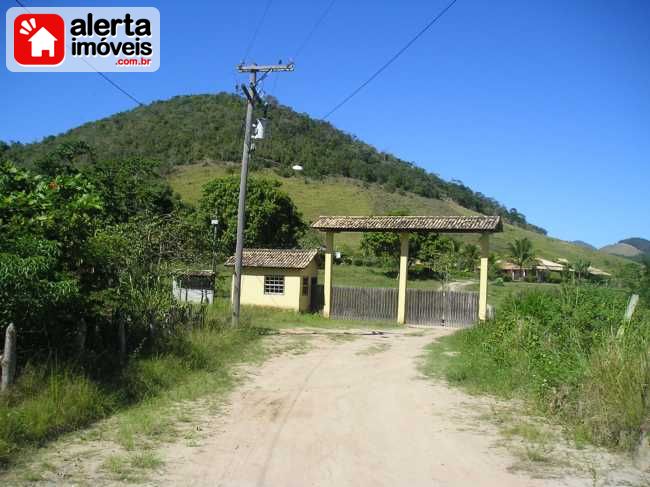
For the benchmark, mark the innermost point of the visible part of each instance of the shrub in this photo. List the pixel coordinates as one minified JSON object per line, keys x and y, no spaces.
{"x":568,"y":353}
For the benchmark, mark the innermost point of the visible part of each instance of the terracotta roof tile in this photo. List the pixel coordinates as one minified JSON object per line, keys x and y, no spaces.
{"x":443,"y":224}
{"x":276,"y":258}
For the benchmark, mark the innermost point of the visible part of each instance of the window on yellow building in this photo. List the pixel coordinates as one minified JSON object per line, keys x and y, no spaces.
{"x":273,"y":284}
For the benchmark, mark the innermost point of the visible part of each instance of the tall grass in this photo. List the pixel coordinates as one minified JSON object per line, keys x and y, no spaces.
{"x":49,"y":400}
{"x":569,"y":354}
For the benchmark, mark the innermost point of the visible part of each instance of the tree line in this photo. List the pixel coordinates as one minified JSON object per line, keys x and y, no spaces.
{"x":89,"y":247}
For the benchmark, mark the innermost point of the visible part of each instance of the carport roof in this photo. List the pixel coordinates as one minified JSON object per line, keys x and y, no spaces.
{"x":435,"y":224}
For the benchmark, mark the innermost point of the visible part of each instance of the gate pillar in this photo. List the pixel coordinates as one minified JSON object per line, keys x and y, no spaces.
{"x":483,"y":279}
{"x":403,"y":276}
{"x":327,"y":285}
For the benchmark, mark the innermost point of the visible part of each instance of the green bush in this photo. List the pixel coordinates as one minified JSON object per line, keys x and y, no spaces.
{"x":569,"y":354}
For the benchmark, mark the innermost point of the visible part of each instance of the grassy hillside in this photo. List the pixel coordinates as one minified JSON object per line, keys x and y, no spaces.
{"x":191,"y":129}
{"x":344,"y":196}
{"x":343,"y":175}
{"x":643,"y":244}
{"x":622,"y":249}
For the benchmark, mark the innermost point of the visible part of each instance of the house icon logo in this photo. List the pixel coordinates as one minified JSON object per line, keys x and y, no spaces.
{"x":39,"y":39}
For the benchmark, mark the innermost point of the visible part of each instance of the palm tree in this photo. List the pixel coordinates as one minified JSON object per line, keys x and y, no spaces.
{"x":521,"y":253}
{"x":581,"y":268}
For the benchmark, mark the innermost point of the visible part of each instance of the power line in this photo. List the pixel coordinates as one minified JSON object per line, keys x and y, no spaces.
{"x":102,"y":75}
{"x":319,"y":21}
{"x":307,"y":38}
{"x":257,"y":29}
{"x":391,"y":60}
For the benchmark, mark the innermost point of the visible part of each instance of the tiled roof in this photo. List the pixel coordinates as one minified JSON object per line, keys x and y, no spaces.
{"x":276,"y":258}
{"x":446,"y":224}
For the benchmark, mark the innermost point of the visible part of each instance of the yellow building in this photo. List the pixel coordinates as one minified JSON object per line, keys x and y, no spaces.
{"x":278,"y":278}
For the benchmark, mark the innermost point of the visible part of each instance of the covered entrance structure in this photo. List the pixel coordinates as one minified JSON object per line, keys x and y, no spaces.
{"x":404,"y":225}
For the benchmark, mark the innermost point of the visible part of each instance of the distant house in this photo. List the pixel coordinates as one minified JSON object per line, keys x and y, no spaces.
{"x":42,"y":41}
{"x":540,"y":268}
{"x":194,"y":287}
{"x":543,"y":268}
{"x":278,"y":278}
{"x":513,"y":271}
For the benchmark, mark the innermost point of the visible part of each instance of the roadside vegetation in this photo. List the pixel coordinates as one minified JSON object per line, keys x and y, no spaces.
{"x":88,"y":250}
{"x":568,"y":353}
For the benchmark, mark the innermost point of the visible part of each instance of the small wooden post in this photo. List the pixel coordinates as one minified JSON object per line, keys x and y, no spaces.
{"x":8,"y":358}
{"x":483,"y":278}
{"x":403,"y":276}
{"x":329,"y":248}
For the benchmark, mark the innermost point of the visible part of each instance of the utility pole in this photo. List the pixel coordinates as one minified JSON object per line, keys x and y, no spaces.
{"x":253,"y":99}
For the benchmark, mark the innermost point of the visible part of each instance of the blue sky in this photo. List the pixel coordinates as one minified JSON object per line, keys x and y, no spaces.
{"x":544,"y":105}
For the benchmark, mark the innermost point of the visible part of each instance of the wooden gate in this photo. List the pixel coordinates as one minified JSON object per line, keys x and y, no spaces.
{"x":426,"y":307}
{"x":364,"y":303}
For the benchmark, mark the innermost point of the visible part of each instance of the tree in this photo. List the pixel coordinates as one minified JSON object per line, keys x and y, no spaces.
{"x":521,"y":253}
{"x":44,"y":225}
{"x":131,"y":187}
{"x":581,"y":268}
{"x":272,"y":219}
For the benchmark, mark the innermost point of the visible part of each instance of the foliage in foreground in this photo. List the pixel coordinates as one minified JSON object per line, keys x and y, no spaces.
{"x":570,"y":354}
{"x":50,"y":400}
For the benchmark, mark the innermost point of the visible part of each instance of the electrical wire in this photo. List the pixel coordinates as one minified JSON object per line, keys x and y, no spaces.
{"x":257,"y":29}
{"x":102,"y":75}
{"x":391,"y":60}
{"x":308,"y":37}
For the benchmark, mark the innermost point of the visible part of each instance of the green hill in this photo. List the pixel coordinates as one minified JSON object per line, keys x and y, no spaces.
{"x":191,"y":135}
{"x":341,"y":196}
{"x":622,"y":249}
{"x":635,"y":248}
{"x":643,"y":244}
{"x":189,"y":129}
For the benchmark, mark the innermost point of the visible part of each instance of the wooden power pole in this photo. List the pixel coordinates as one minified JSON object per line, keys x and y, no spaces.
{"x":253,"y":99}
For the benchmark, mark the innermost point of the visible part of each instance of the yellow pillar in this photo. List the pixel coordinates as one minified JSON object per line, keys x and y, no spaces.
{"x":483,"y":279}
{"x":403,"y":276}
{"x":329,"y":248}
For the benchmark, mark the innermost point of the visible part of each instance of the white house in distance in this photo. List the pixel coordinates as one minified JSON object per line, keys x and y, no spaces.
{"x":42,"y":41}
{"x":278,"y":278}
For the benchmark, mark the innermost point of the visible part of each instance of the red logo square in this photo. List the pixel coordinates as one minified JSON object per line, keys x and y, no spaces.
{"x":39,"y":39}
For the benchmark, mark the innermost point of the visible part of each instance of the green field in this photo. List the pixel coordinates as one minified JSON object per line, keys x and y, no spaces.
{"x":341,"y":196}
{"x":498,"y":293}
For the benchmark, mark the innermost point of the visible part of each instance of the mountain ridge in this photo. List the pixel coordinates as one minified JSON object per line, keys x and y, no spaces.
{"x":634,"y":248}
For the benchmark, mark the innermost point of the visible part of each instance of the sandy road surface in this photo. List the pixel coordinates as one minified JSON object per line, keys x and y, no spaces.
{"x":348,"y":413}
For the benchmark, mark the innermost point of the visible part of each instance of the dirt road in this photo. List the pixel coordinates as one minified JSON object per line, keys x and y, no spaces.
{"x":350,"y":413}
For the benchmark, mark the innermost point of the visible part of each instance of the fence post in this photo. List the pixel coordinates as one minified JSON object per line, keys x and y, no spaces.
{"x":631,"y":306}
{"x":8,"y":359}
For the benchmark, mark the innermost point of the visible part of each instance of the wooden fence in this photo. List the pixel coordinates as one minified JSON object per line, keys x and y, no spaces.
{"x":428,"y":307}
{"x":364,"y":303}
